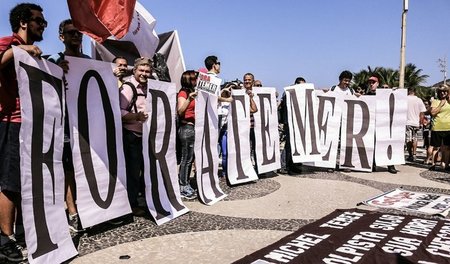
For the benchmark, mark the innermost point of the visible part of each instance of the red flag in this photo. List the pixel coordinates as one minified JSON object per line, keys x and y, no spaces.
{"x":102,"y":18}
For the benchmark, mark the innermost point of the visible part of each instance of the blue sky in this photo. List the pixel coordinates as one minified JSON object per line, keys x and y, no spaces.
{"x":280,"y":40}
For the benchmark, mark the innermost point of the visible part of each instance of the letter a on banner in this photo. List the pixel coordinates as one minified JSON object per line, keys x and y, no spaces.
{"x":96,"y":139}
{"x":303,"y":128}
{"x":239,"y":164}
{"x":41,"y":144}
{"x":205,"y":148}
{"x":162,"y":190}
{"x":266,"y":130}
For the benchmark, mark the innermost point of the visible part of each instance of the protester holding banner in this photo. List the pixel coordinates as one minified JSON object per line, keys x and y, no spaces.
{"x":72,"y":39}
{"x":249,"y":79}
{"x":440,"y":128}
{"x":121,"y":70}
{"x":28,"y":25}
{"x":372,"y":90}
{"x":287,"y":165}
{"x":343,"y":87}
{"x":134,"y":112}
{"x":223,"y":111}
{"x":186,"y":132}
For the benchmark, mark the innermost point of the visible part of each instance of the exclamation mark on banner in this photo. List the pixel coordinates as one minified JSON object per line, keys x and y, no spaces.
{"x":391,"y":119}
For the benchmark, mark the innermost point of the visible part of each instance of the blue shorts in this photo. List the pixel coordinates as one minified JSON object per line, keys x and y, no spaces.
{"x":9,"y":157}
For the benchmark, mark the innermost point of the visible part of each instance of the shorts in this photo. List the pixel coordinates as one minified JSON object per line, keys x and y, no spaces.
{"x":411,"y":133}
{"x":9,"y":157}
{"x":439,"y":138}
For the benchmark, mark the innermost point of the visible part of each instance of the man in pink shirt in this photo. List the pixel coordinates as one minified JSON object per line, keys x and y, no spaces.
{"x":134,"y":113}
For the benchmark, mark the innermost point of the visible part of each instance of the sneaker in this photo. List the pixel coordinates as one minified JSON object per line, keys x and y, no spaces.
{"x":75,"y":224}
{"x":13,"y":251}
{"x":188,"y":196}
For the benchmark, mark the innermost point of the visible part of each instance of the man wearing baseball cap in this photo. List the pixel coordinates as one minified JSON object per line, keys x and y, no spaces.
{"x":372,"y":90}
{"x":373,"y":85}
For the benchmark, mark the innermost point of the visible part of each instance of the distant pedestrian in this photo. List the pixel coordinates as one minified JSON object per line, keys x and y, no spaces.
{"x":415,"y":113}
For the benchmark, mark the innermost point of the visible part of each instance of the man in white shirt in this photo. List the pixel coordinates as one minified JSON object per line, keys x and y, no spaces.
{"x":416,"y":108}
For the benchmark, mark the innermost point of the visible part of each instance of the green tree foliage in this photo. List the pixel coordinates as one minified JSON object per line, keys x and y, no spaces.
{"x":389,"y":76}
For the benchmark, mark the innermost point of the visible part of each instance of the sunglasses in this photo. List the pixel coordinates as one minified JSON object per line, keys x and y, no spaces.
{"x":40,"y":21}
{"x":72,"y":32}
{"x":258,"y":85}
{"x":218,"y":62}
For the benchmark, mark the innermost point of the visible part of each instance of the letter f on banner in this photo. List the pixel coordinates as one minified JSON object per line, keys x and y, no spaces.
{"x":41,"y":142}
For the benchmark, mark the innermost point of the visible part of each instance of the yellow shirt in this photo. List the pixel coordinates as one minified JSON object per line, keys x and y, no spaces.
{"x":441,"y":122}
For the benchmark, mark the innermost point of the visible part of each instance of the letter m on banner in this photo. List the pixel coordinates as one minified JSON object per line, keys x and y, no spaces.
{"x":303,"y":126}
{"x":41,"y":144}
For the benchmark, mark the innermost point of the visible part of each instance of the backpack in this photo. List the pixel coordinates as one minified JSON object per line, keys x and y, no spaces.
{"x":132,"y":104}
{"x":334,"y":87}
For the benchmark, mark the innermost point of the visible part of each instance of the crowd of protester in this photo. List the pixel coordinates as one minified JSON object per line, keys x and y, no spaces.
{"x":28,"y":24}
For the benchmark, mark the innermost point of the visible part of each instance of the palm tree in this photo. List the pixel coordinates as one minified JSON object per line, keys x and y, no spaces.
{"x":413,"y":76}
{"x":388,"y":76}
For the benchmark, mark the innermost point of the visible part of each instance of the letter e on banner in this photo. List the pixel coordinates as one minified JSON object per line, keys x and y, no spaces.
{"x":266,"y":130}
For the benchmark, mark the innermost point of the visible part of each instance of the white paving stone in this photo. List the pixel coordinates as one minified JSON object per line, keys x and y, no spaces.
{"x":220,"y":246}
{"x":297,"y":198}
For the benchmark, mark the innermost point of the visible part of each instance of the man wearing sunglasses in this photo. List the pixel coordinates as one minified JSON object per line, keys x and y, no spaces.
{"x":72,"y":39}
{"x":27,"y":24}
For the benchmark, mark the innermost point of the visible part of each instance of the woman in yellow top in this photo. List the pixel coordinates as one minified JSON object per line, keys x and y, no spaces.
{"x":440,"y":126}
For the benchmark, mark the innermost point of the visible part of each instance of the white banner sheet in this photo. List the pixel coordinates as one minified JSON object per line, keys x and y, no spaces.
{"x":41,"y":145}
{"x":303,"y":128}
{"x":205,"y":148}
{"x":239,"y":164}
{"x":96,"y":139}
{"x":357,"y":133}
{"x":266,"y":130}
{"x":162,"y":190}
{"x":390,"y":126}
{"x":418,"y":202}
{"x":329,"y":121}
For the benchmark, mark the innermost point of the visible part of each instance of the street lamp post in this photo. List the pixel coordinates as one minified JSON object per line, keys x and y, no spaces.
{"x":403,"y":46}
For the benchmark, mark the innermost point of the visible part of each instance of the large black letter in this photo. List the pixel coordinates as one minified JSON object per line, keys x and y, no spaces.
{"x":161,"y":155}
{"x":206,"y":144}
{"x":324,"y":125}
{"x":85,"y":149}
{"x":237,"y":141}
{"x":295,"y":108}
{"x":44,"y":244}
{"x":358,"y":137}
{"x":265,"y":129}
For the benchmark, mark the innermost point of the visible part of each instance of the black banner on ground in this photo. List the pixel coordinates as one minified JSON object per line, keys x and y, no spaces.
{"x":359,"y":236}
